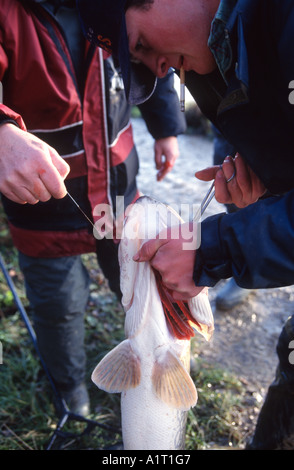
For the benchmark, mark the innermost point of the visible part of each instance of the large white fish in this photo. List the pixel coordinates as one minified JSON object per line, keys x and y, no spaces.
{"x":150,"y":368}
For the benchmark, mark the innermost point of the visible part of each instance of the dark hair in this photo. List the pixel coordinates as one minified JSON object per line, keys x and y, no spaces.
{"x":138,"y":4}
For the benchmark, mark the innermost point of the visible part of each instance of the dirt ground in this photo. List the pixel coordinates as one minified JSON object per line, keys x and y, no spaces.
{"x":245,"y":337}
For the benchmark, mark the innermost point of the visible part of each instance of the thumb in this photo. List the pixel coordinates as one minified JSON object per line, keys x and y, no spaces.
{"x":148,"y":250}
{"x":207,"y":174}
{"x":158,"y":155}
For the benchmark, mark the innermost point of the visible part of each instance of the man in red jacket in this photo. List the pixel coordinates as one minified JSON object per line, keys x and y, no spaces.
{"x":65,"y":126}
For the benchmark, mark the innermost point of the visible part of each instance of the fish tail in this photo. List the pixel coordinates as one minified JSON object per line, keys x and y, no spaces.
{"x":119,"y":370}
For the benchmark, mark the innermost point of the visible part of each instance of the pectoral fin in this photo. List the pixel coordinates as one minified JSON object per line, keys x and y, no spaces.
{"x":172,"y":383}
{"x":200,"y":310}
{"x":119,"y":370}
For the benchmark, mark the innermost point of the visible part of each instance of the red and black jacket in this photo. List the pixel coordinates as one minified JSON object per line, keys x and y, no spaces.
{"x":88,"y":125}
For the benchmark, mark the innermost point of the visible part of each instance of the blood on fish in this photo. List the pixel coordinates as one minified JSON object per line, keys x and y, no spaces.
{"x":177,"y":313}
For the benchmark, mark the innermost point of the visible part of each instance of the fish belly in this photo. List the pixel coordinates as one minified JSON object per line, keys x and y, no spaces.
{"x":150,"y":424}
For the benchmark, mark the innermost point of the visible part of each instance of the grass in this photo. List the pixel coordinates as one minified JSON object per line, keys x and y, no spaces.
{"x":27,"y":414}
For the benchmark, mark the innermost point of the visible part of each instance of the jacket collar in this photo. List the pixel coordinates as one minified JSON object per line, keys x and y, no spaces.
{"x":227,"y":39}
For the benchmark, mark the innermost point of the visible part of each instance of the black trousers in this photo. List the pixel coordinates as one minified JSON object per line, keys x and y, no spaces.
{"x":58,"y":293}
{"x":275,"y":424}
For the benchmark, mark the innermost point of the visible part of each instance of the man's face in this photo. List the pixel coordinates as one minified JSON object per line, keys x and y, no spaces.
{"x":172,"y":32}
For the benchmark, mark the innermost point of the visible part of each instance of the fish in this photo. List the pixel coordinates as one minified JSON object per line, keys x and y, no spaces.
{"x":150,"y":367}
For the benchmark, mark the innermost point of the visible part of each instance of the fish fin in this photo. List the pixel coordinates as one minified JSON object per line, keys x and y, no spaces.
{"x":119,"y":370}
{"x":172,"y":383}
{"x":201,"y":312}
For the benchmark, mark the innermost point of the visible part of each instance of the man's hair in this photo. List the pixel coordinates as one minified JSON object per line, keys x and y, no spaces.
{"x":145,"y":4}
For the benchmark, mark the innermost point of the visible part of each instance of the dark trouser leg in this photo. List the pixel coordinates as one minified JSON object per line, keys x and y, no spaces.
{"x":107,"y":255}
{"x":275,"y":425}
{"x":57,"y":290}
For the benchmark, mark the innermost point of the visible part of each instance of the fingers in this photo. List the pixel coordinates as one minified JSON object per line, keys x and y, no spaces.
{"x":246,"y":188}
{"x":39,"y":185}
{"x":165,"y":168}
{"x":166,"y":154}
{"x":19,"y":188}
{"x":149,"y":249}
{"x":173,"y":262}
{"x":222,"y":174}
{"x":235,"y":182}
{"x":30,"y":170}
{"x":21,"y":197}
{"x":222,"y":193}
{"x":53,"y":176}
{"x":59,"y":163}
{"x":227,"y":187}
{"x":228,"y":169}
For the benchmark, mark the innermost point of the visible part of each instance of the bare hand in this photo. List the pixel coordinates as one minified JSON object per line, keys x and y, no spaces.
{"x":30,"y":170}
{"x":173,"y":257}
{"x":244,"y":189}
{"x":166,"y":154}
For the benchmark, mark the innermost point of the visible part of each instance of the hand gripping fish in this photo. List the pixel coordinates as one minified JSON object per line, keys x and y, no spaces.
{"x":150,"y":367}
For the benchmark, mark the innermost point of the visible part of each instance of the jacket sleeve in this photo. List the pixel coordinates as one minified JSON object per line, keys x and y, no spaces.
{"x":253,"y":245}
{"x":162,"y":112}
{"x":7,"y":114}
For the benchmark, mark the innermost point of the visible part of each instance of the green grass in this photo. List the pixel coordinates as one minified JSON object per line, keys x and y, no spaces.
{"x":27,"y":414}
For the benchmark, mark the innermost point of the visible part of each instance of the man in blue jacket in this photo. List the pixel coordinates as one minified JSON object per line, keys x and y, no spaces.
{"x":240,"y":70}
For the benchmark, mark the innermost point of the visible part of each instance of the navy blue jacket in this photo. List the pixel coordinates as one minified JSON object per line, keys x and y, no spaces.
{"x":255,"y":112}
